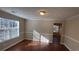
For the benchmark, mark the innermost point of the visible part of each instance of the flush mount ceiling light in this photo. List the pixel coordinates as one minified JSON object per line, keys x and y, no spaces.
{"x":43,"y":12}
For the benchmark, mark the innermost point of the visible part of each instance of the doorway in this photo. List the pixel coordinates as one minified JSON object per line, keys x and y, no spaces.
{"x":57,"y":33}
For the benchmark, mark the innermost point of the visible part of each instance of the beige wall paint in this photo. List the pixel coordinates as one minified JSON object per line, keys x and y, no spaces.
{"x":44,"y":27}
{"x":6,"y":44}
{"x":72,"y":33}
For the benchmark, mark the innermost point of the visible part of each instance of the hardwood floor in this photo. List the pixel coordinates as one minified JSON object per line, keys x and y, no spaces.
{"x":28,"y":45}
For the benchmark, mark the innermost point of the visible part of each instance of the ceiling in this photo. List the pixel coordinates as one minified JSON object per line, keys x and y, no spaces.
{"x":32,"y":13}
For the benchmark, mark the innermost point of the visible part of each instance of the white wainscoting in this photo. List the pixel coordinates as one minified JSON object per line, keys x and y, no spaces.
{"x":29,"y":36}
{"x":71,"y":43}
{"x":11,"y":45}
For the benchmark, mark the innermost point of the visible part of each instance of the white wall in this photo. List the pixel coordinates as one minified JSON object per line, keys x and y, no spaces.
{"x":44,"y":27}
{"x":11,"y":42}
{"x":72,"y":33}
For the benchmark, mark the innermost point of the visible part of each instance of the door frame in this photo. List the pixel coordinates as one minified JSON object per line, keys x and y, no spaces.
{"x":59,"y":31}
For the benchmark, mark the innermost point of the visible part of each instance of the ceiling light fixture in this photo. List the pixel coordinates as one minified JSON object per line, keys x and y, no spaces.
{"x":42,"y":12}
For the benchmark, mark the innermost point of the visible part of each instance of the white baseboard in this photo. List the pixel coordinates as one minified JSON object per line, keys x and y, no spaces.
{"x":35,"y":40}
{"x":68,"y":47}
{"x":11,"y":45}
{"x":31,"y":39}
{"x":28,"y":39}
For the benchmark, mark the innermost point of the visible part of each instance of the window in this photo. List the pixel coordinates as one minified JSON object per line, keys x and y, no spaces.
{"x":55,"y":28}
{"x":8,"y":29}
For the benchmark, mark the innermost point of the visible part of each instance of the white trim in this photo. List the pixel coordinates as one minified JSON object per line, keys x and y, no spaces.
{"x":67,"y":47}
{"x":46,"y":34}
{"x":11,"y":45}
{"x":72,"y":39}
{"x":28,"y":38}
{"x":29,"y":32}
{"x":72,"y":17}
{"x":40,"y":33}
{"x":31,"y":39}
{"x":50,"y":42}
{"x":35,"y":40}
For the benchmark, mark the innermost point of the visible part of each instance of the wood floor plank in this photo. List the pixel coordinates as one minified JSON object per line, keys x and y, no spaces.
{"x":28,"y":45}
